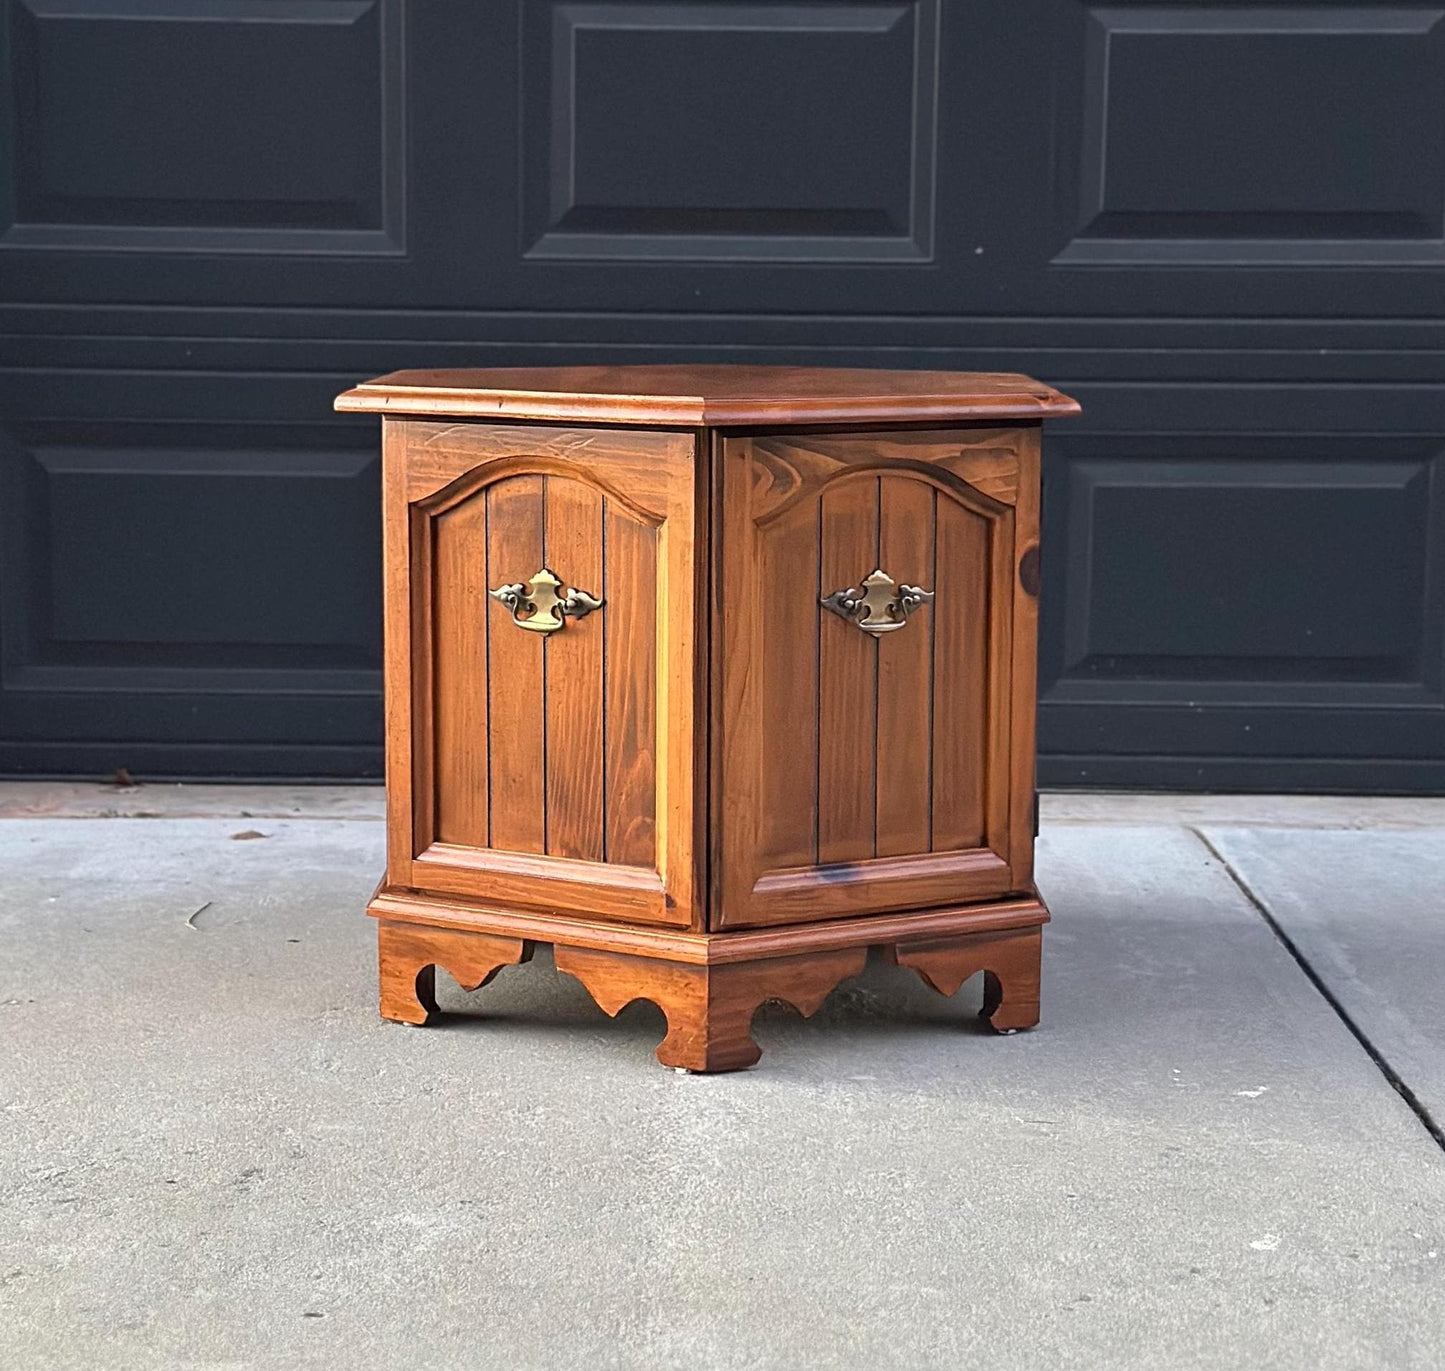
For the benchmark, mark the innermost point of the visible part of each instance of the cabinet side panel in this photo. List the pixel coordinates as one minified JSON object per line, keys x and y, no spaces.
{"x":960,"y":678}
{"x":516,"y":679}
{"x":459,"y":673}
{"x":847,"y":678}
{"x":905,"y":673}
{"x":396,"y":571}
{"x":574,"y":674}
{"x":630,"y":687}
{"x":1024,"y":681}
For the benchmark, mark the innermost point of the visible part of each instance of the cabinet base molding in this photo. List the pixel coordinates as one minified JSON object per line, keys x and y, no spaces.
{"x":709,"y":1009}
{"x":709,"y":985}
{"x":409,"y":954}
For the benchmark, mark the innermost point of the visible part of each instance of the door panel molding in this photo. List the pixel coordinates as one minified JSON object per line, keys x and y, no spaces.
{"x":578,"y":763}
{"x":824,"y":794}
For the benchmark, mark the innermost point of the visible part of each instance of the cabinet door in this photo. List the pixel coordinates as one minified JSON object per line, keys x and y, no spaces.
{"x":543,"y":761}
{"x":879,"y":759}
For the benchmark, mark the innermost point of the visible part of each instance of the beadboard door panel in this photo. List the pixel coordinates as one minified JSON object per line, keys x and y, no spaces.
{"x":872,"y":770}
{"x":545,"y":767}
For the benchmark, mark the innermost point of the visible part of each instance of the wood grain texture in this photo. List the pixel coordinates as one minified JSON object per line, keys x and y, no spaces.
{"x":709,"y":1009}
{"x":737,"y":755}
{"x":1010,"y":962}
{"x":408,"y":955}
{"x":595,"y":756}
{"x":697,"y":396}
{"x":517,"y":680}
{"x":999,"y":723}
{"x":989,"y":462}
{"x":962,"y":611}
{"x":538,"y":879}
{"x":403,"y":741}
{"x":788,"y":634}
{"x":787,"y":895}
{"x":445,"y":462}
{"x":684,"y":945}
{"x":576,"y":687}
{"x":903,"y":744}
{"x":629,"y":624}
{"x":682,"y":684}
{"x":1023,"y":677}
{"x":910,"y":762}
{"x":459,"y":621}
{"x":847,"y":679}
{"x":709,"y":1003}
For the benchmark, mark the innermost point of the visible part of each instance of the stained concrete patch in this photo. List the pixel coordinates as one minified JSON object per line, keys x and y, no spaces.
{"x":213,"y":1154}
{"x":1367,"y":912}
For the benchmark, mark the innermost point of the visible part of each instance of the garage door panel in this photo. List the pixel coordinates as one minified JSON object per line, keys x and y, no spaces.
{"x":189,"y":582}
{"x":1211,"y":597}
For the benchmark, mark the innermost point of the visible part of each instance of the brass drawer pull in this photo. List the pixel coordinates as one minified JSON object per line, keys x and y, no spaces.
{"x":880,"y":606}
{"x":536,"y":606}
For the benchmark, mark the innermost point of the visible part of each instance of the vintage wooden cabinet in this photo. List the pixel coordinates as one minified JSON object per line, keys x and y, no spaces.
{"x":712,"y":678}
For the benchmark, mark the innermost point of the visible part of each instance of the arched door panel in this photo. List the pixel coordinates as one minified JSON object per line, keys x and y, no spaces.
{"x":552,"y":748}
{"x":865,"y":754}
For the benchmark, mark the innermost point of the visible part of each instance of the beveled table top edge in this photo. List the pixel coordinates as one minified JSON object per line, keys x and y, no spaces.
{"x":736,"y":397}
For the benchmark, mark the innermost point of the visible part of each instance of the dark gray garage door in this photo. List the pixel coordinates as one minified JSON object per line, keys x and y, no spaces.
{"x":1219,"y":225}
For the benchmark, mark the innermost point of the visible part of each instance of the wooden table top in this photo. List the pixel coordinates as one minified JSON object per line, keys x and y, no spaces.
{"x":701,"y":396}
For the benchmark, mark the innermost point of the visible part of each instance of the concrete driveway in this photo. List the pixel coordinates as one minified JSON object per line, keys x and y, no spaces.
{"x":1222,"y":1148}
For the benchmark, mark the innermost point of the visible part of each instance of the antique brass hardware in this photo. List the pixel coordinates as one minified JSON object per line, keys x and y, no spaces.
{"x":536,"y":606}
{"x":881,"y":605}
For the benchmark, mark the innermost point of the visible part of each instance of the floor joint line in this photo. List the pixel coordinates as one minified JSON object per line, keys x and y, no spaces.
{"x":1396,"y":1081}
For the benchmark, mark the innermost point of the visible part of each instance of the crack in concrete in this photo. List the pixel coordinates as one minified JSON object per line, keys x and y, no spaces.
{"x":1396,"y":1081}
